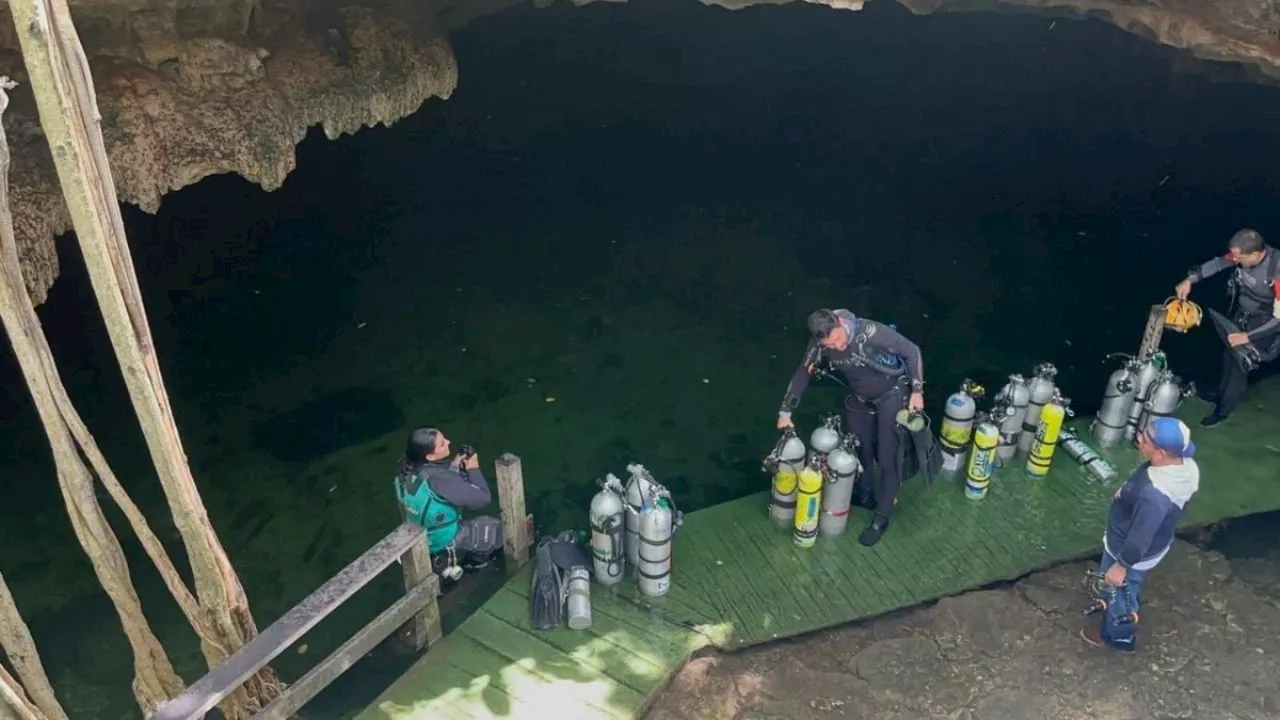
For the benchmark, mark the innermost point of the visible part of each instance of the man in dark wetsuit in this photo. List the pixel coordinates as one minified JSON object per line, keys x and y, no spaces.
{"x":883,"y":371}
{"x":432,"y":488}
{"x":1255,"y":308}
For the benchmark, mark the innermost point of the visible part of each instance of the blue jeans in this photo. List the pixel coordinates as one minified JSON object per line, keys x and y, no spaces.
{"x":1117,"y":632}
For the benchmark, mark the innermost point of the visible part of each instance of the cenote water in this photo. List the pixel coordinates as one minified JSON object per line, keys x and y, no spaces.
{"x":602,"y":249}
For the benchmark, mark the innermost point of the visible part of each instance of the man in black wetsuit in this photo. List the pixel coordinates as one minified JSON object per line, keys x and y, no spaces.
{"x":1255,"y":308}
{"x":431,"y":489}
{"x":883,"y":371}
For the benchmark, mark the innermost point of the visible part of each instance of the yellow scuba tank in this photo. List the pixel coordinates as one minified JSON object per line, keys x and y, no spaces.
{"x":1051,"y":417}
{"x":784,"y":462}
{"x":808,"y":503}
{"x":982,"y":459}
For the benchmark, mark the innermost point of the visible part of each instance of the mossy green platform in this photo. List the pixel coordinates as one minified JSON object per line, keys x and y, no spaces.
{"x":740,"y":582}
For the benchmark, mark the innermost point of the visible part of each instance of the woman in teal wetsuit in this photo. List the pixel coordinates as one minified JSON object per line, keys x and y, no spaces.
{"x":432,"y":489}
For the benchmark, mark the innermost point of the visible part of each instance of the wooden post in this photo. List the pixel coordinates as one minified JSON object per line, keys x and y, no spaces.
{"x":423,"y":629}
{"x":515,"y":523}
{"x":1154,"y":331}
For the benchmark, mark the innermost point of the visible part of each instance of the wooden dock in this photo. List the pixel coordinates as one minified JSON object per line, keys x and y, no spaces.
{"x":741,"y":582}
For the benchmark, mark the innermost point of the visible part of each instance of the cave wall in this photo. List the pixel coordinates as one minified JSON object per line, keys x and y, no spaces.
{"x":192,"y":88}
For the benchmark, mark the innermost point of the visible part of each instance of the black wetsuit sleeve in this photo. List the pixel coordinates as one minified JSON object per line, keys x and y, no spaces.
{"x":886,"y":338}
{"x":1209,"y":268}
{"x":470,"y":490}
{"x":800,"y":379}
{"x":1273,"y":323}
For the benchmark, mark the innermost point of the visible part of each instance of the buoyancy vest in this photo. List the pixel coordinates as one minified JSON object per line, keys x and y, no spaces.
{"x":863,"y":351}
{"x":422,"y":506}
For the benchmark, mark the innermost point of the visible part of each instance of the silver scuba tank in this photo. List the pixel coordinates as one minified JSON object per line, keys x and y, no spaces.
{"x":1017,"y":396}
{"x":640,"y":487}
{"x":826,"y":436}
{"x":1108,"y":426}
{"x":578,"y":599}
{"x":1167,"y":393}
{"x":656,"y":523}
{"x":957,"y":423}
{"x":1148,"y":373}
{"x":1041,"y":388}
{"x":784,"y":464}
{"x":608,"y":532}
{"x":842,"y":473}
{"x":1085,"y":457}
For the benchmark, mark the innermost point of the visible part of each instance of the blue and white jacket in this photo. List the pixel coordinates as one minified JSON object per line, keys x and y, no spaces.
{"x":1146,"y":512}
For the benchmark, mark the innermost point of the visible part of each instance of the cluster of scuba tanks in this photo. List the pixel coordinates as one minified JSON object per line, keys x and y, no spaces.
{"x":633,"y":526}
{"x":813,"y":487}
{"x":812,"y":490}
{"x":1027,"y":416}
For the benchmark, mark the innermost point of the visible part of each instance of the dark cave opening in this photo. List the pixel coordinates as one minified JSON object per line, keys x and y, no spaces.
{"x":601,"y":248}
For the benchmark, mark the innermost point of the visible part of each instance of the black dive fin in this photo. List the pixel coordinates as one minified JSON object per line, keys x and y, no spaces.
{"x":546,"y":599}
{"x":918,"y":449}
{"x":1247,"y":356}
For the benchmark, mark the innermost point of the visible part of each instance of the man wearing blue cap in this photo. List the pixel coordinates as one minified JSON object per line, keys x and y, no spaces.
{"x":1141,"y":524}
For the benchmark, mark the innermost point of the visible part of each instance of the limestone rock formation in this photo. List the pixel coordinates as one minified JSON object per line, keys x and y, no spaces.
{"x":193,"y":88}
{"x":1246,"y":31}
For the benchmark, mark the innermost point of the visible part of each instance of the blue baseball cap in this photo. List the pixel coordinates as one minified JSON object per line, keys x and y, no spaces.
{"x":1171,"y":435}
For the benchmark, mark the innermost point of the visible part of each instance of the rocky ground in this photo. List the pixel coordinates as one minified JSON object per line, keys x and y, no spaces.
{"x":1209,"y":648}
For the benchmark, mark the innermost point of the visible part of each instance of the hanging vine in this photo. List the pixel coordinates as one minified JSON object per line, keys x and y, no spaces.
{"x":64,"y":93}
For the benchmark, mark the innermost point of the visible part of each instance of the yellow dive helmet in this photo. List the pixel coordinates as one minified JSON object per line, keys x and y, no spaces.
{"x":1181,"y":315}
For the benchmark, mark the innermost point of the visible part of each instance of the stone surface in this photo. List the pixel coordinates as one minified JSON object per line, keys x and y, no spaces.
{"x":193,"y":88}
{"x":1208,"y":648}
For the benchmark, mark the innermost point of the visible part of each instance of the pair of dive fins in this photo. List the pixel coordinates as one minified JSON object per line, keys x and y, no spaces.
{"x":918,"y":450}
{"x":553,"y":559}
{"x":1247,"y":356}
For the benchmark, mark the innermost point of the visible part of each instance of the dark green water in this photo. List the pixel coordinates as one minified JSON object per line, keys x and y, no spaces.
{"x":601,"y":250}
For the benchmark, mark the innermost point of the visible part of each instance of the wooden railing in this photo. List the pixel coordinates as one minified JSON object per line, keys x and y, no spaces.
{"x":416,"y":611}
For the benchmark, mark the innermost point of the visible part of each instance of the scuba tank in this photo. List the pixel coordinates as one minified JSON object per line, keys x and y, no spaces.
{"x":608,"y":532}
{"x":1148,"y":371}
{"x":808,"y":501}
{"x":1017,"y":397}
{"x":843,"y":469}
{"x":577,"y":601}
{"x":1166,"y":396}
{"x":1108,"y":426}
{"x":1047,"y":432}
{"x":957,"y":423}
{"x":656,"y":522}
{"x":982,"y":460}
{"x":783,"y":463}
{"x":826,"y":436}
{"x":1085,"y":457}
{"x":1042,"y":389}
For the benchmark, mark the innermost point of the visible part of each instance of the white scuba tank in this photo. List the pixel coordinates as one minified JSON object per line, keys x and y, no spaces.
{"x":608,"y":532}
{"x":1041,"y":388}
{"x":656,"y":522}
{"x":1017,"y":397}
{"x":1148,"y":373}
{"x":1108,"y":425}
{"x":1167,"y":393}
{"x":641,"y":487}
{"x":826,"y":436}
{"x":842,"y":473}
